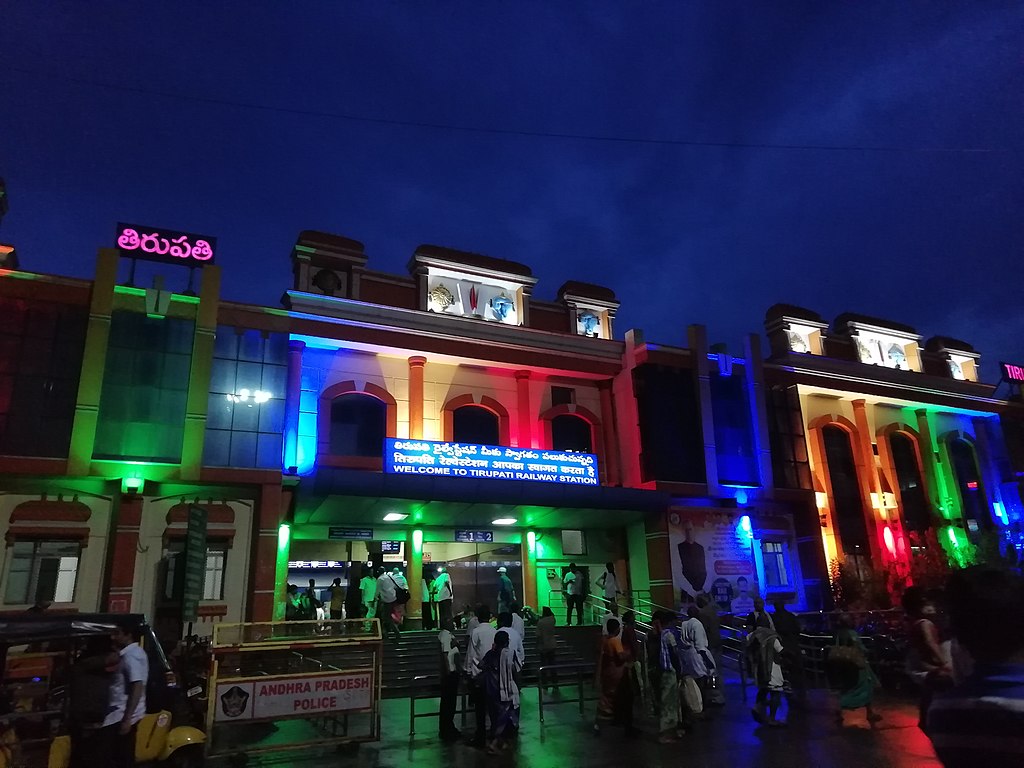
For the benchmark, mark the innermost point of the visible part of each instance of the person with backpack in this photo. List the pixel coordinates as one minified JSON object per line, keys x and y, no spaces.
{"x":401,"y":595}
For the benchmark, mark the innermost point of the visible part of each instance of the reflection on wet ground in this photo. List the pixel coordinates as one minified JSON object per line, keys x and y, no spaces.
{"x":727,"y":737}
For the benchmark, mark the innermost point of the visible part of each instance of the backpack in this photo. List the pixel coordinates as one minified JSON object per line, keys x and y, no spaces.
{"x":401,"y":593}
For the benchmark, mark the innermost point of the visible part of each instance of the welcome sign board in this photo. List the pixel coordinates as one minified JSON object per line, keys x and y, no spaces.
{"x":427,"y":457}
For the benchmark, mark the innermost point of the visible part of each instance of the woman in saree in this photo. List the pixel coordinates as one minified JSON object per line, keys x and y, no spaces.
{"x":861,"y":691}
{"x":612,"y":678}
{"x":500,"y":671}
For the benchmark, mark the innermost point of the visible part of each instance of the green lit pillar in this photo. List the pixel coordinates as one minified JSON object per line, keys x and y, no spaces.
{"x":414,"y":573}
{"x":530,"y":596}
{"x":284,"y":540}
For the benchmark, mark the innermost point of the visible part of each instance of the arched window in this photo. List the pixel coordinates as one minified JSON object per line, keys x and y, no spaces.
{"x":474,"y":424}
{"x":358,"y":425}
{"x":849,"y":508}
{"x":968,"y":481}
{"x":571,"y":433}
{"x":916,"y":516}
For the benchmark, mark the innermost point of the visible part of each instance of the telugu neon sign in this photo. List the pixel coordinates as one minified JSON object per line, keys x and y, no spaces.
{"x":1013,"y":372}
{"x":170,"y":246}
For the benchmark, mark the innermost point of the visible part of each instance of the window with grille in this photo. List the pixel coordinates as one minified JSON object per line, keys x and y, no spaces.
{"x":42,"y":572}
{"x":213,"y":575}
{"x":790,"y":466}
{"x":776,"y":567}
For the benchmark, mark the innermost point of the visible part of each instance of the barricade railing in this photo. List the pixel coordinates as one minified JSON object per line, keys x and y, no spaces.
{"x":320,"y":680}
{"x":423,"y":692}
{"x":582,"y":670}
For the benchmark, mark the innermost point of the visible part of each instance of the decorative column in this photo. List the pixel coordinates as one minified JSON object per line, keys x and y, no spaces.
{"x":932,"y":475}
{"x":121,"y":554}
{"x":292,"y":400}
{"x":530,"y":596}
{"x":270,"y":548}
{"x":759,"y":412}
{"x":524,"y":410}
{"x":608,"y":429}
{"x":871,"y":488}
{"x":414,"y":575}
{"x":416,"y":365}
{"x":698,"y":337}
{"x":94,"y":358}
{"x":198,"y":397}
{"x":659,"y":559}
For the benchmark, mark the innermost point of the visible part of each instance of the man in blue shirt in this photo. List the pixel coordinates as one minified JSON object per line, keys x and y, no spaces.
{"x":981,"y":721}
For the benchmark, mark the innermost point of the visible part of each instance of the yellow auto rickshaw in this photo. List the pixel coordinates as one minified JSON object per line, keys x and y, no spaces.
{"x":37,"y":657}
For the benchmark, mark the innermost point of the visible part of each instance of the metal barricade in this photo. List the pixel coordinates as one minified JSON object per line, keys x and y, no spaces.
{"x":422,"y":694}
{"x":581,"y":670}
{"x":286,"y":686}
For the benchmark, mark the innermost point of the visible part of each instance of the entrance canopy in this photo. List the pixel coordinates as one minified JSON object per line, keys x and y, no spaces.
{"x":356,"y":497}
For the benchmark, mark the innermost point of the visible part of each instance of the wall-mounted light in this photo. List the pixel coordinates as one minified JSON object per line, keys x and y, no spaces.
{"x":531,"y":541}
{"x":417,"y":540}
{"x":250,"y":397}
{"x":132,"y":485}
{"x":746,"y":527}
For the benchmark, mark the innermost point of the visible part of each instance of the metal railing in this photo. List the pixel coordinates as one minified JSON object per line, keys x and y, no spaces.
{"x":581,"y":670}
{"x":433,"y":693}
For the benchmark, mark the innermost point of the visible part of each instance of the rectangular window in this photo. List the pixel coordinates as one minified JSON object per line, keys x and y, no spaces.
{"x":145,"y":388}
{"x":42,"y":572}
{"x":776,"y":572}
{"x":786,"y":434}
{"x":245,"y":411}
{"x":213,"y":578}
{"x":41,"y":347}
{"x":670,"y":424}
{"x":563,"y":396}
{"x":734,"y":432}
{"x":574,"y":542}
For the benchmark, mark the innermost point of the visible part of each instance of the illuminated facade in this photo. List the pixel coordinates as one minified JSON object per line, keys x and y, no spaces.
{"x":447,"y":417}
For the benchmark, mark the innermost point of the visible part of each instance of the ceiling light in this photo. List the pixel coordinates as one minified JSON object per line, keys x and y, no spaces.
{"x":394,"y":517}
{"x":504,"y":521}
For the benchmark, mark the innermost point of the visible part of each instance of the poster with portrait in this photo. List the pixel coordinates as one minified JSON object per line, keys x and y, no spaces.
{"x":711,"y":553}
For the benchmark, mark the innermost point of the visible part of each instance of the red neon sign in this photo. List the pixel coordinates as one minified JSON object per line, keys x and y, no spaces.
{"x":1012,"y":372}
{"x":972,"y":485}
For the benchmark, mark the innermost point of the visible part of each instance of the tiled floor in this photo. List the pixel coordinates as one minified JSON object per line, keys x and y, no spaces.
{"x":729,"y":737}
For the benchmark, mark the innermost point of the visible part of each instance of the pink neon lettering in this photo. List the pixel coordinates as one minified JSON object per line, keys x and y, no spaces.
{"x":181,"y":249}
{"x":178,"y":247}
{"x":129,"y":239}
{"x":1014,"y":372}
{"x":202,"y":251}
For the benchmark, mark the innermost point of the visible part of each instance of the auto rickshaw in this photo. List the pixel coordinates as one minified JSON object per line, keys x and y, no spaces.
{"x":37,"y":654}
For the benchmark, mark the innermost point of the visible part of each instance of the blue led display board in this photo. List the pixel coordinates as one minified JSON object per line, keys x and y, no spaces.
{"x":492,"y":462}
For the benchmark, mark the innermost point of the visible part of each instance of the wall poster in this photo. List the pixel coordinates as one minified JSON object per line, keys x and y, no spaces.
{"x":712,"y":553}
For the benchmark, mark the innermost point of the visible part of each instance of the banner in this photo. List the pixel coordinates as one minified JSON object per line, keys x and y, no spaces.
{"x":294,"y":696}
{"x":711,"y":553}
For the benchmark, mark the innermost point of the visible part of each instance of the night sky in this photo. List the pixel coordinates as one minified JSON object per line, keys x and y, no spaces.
{"x":228,"y":119}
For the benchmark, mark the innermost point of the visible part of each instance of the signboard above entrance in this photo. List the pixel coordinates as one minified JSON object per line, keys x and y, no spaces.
{"x":1013,"y":372}
{"x":474,"y":537}
{"x":166,"y":245}
{"x":425,"y":457}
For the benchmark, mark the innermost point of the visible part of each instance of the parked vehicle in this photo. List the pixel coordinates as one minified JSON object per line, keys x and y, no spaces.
{"x":37,"y":653}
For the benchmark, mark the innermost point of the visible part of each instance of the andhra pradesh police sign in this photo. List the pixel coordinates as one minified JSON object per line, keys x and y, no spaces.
{"x":294,"y":696}
{"x":425,"y":457}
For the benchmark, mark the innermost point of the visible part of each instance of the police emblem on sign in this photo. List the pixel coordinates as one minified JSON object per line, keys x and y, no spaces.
{"x":234,"y":701}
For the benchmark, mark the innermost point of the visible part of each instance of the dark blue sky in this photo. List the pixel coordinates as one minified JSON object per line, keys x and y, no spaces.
{"x":91,"y":133}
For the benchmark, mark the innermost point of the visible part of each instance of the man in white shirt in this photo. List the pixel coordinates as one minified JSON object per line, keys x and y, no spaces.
{"x":443,"y":596}
{"x":515,"y":638}
{"x":127,"y":696}
{"x":517,"y":619}
{"x":386,"y":588}
{"x":480,"y":642}
{"x":449,"y":684}
{"x":572,"y":587}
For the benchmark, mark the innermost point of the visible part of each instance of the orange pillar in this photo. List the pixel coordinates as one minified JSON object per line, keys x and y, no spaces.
{"x":416,"y":365}
{"x":871,"y":487}
{"x":659,"y":561}
{"x":524,"y":410}
{"x":266,"y":601}
{"x":121,"y":555}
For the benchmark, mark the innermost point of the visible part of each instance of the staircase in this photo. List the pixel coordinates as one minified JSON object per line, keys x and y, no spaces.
{"x":412,"y":666}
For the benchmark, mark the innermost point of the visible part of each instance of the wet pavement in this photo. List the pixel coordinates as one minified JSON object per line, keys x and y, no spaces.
{"x":728,"y":737}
